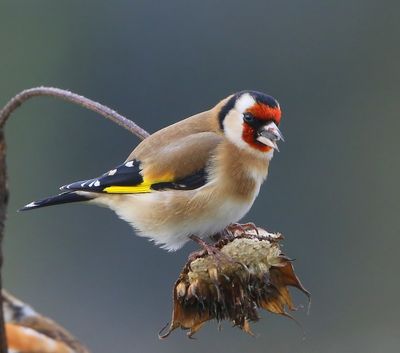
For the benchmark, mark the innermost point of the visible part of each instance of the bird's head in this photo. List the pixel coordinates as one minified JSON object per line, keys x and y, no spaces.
{"x":250,"y":120}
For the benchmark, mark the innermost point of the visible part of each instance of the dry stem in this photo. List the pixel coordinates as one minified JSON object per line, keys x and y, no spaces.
{"x":3,"y":206}
{"x":71,"y":97}
{"x":5,"y":113}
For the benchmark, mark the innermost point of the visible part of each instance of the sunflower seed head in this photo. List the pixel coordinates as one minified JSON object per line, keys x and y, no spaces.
{"x":254,"y":275}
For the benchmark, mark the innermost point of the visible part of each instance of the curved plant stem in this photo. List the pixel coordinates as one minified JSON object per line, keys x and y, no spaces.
{"x":71,"y":97}
{"x":5,"y":113}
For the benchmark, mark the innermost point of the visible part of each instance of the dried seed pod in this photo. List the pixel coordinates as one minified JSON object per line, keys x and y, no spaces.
{"x":29,"y":332}
{"x":251,"y":273}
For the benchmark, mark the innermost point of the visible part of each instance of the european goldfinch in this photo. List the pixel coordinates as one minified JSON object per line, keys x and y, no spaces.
{"x":194,"y":177}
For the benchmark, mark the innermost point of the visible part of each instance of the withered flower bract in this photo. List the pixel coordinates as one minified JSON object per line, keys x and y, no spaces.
{"x":252,"y":273}
{"x":29,"y":332}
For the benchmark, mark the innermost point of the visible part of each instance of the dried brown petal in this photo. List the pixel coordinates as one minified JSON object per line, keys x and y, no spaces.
{"x":29,"y":332}
{"x":253,"y":274}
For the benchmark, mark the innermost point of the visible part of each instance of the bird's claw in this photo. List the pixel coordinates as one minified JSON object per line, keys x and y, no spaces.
{"x":242,"y":228}
{"x":210,"y":250}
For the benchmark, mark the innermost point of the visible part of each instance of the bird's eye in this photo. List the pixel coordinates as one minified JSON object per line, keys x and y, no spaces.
{"x":248,"y":118}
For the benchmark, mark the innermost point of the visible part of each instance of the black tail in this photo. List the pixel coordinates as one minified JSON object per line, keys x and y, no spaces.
{"x":65,"y":197}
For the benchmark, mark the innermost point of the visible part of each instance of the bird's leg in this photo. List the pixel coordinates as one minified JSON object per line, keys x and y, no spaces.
{"x":208,"y":249}
{"x":223,"y":234}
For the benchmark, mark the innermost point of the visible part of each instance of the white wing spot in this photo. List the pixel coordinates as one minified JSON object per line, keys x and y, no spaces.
{"x":32,"y":204}
{"x":91,"y":184}
{"x":112,"y":172}
{"x":129,"y":164}
{"x":97,"y":183}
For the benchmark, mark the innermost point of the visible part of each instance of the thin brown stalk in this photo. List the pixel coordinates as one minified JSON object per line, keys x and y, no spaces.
{"x":71,"y":97}
{"x":5,"y":113}
{"x":3,"y":206}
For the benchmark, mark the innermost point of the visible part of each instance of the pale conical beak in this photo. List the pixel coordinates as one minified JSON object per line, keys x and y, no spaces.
{"x":269,"y":135}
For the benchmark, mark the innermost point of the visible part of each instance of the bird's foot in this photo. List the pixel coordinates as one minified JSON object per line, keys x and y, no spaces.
{"x":243,"y":228}
{"x":196,"y":255}
{"x":223,"y":234}
{"x":210,"y":250}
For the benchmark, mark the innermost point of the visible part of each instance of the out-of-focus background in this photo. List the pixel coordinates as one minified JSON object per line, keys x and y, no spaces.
{"x":333,"y":191}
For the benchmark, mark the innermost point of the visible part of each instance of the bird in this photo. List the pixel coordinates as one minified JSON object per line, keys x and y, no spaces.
{"x":191,"y":179}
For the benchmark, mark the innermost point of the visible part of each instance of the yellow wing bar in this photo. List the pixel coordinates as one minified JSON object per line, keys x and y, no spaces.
{"x":139,"y":189}
{"x":143,"y":187}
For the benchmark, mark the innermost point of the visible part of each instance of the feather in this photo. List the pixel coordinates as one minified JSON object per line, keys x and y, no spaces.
{"x":65,"y":197}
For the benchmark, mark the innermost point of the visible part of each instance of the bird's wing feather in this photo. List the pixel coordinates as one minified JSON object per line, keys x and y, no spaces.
{"x":181,"y":165}
{"x":124,"y":176}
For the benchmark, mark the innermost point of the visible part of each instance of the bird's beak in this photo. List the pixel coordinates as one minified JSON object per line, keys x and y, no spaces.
{"x":269,"y":135}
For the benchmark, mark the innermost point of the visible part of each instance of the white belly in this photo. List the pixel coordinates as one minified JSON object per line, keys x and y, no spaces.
{"x":168,"y":219}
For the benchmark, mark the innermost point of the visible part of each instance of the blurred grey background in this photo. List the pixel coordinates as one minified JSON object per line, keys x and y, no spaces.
{"x":333,"y":191}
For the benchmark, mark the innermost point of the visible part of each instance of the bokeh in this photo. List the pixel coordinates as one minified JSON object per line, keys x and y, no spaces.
{"x":333,"y":190}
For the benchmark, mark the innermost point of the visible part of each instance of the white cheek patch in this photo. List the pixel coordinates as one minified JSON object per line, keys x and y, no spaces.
{"x":233,"y":128}
{"x":245,"y":102}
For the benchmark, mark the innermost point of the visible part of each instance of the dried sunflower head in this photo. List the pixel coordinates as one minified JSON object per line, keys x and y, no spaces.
{"x":254,"y":274}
